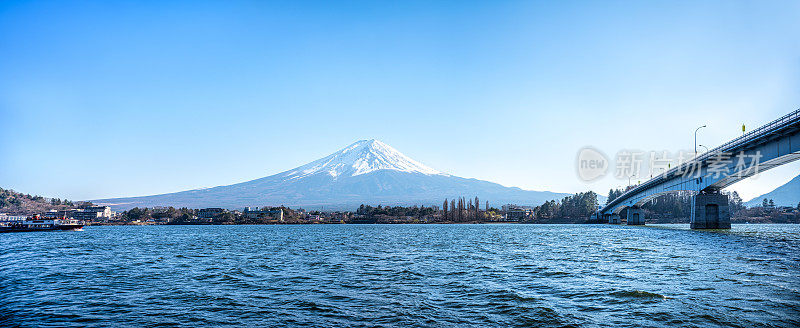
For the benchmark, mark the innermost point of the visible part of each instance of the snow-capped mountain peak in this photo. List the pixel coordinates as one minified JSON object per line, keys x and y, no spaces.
{"x":366,"y":172}
{"x":362,"y":157}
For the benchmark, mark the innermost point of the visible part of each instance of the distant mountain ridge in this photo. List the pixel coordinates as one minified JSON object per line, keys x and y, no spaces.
{"x":786,"y":195}
{"x":365,"y":172}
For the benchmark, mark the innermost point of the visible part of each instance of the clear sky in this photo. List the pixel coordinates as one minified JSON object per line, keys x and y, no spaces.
{"x":105,"y":99}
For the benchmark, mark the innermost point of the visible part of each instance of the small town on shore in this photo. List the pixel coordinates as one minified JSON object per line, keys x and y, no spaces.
{"x":570,"y":210}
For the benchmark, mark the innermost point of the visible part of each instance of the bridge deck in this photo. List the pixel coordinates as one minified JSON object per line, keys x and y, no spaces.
{"x":748,"y":140}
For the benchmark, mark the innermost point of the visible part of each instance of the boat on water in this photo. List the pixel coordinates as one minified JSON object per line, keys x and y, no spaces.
{"x":36,"y":223}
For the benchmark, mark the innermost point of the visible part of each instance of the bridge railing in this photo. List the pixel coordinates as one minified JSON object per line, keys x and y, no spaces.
{"x":730,"y":145}
{"x":764,"y":129}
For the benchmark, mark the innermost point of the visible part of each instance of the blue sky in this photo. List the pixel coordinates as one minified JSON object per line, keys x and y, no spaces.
{"x":105,"y":99}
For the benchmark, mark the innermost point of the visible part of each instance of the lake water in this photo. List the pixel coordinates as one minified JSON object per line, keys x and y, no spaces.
{"x":402,"y":275}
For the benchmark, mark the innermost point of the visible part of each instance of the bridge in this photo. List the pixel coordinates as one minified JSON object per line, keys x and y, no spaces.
{"x":766,"y":147}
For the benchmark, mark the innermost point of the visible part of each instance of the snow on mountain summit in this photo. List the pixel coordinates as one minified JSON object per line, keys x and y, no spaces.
{"x":362,"y":157}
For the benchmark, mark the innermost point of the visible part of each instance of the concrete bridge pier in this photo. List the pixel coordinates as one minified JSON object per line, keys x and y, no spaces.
{"x":710,"y":211}
{"x":613,"y":219}
{"x":635,"y":216}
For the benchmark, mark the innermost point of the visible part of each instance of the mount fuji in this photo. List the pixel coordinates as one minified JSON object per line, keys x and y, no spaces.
{"x":365,"y":172}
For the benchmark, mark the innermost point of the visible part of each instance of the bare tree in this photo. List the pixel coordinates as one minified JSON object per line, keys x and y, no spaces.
{"x":470,"y":211}
{"x":477,"y":208}
{"x":444,"y":210}
{"x":453,"y":209}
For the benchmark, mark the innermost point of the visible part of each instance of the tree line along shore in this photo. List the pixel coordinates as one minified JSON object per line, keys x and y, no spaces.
{"x":577,"y":208}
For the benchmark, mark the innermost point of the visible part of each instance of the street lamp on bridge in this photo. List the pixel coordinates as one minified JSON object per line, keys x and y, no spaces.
{"x":695,"y":139}
{"x":704,"y":147}
{"x":629,"y":180}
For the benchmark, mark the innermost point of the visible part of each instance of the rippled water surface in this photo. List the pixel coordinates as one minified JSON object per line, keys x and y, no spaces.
{"x":402,"y":275}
